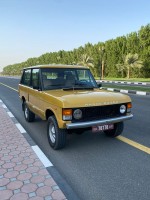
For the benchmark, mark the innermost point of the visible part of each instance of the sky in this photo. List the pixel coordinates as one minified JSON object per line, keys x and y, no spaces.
{"x":30,"y":28}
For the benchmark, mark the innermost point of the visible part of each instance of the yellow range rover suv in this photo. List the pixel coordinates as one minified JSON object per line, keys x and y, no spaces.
{"x":71,"y":100}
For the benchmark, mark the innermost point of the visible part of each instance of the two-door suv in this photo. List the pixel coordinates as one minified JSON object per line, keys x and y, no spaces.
{"x":71,"y":100}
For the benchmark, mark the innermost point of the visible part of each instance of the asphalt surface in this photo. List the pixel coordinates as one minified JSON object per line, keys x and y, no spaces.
{"x":96,"y":167}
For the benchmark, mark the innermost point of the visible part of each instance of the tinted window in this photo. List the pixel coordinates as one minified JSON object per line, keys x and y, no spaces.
{"x":35,"y":78}
{"x":26,"y":77}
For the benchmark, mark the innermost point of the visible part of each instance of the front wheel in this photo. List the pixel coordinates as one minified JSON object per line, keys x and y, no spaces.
{"x":56,"y":136}
{"x":29,"y":116}
{"x":118,"y":128}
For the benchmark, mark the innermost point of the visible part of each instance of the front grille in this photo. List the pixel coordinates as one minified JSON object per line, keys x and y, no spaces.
{"x":99,"y":112}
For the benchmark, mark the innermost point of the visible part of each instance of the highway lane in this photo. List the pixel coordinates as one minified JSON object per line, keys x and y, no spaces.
{"x":95,"y":166}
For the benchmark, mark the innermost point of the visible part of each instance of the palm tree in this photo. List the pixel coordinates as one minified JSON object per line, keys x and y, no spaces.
{"x":86,"y":60}
{"x":130,"y":61}
{"x":121,"y":68}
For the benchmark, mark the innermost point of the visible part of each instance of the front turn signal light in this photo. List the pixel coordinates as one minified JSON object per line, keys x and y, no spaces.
{"x":129,"y":106}
{"x":67,"y":114}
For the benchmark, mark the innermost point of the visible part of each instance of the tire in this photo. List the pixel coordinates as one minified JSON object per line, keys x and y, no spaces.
{"x":29,"y":116}
{"x":79,"y":131}
{"x":56,"y":136}
{"x":118,"y":128}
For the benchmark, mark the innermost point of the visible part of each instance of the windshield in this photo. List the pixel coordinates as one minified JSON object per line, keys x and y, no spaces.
{"x":66,"y":78}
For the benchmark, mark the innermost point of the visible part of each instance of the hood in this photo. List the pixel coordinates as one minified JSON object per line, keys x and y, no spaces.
{"x":86,"y":98}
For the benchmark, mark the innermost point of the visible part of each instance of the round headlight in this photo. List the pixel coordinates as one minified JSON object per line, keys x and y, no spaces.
{"x":77,"y":114}
{"x":122,"y":109}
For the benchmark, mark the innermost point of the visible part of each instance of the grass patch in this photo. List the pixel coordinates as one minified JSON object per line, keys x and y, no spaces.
{"x":128,"y":80}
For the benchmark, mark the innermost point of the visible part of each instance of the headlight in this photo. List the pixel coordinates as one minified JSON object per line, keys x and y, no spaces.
{"x":122,"y":109}
{"x":77,"y":114}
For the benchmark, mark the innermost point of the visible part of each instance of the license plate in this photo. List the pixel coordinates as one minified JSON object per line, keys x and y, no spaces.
{"x":102,"y":127}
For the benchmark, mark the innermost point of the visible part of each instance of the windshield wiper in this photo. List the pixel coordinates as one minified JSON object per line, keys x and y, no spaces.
{"x":78,"y":88}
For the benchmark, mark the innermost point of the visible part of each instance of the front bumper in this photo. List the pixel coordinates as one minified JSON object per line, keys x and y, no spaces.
{"x":99,"y":122}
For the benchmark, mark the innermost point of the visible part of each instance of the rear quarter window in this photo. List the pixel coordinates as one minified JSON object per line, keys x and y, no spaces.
{"x":26,"y":77}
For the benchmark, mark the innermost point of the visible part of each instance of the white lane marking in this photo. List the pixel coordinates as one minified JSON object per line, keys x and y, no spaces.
{"x":42,"y":156}
{"x":21,"y":129}
{"x":4,"y":106}
{"x":10,"y":114}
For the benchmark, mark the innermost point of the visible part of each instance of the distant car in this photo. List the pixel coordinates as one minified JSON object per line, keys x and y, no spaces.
{"x":71,"y":100}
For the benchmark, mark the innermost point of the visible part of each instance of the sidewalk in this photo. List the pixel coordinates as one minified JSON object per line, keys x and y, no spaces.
{"x":22,"y":174}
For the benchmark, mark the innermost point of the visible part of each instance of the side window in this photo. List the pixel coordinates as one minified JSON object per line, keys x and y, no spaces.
{"x":83,"y":75}
{"x":26,"y":77}
{"x":35,"y":78}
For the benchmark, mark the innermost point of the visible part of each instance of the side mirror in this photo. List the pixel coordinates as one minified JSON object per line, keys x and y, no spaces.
{"x":99,"y":84}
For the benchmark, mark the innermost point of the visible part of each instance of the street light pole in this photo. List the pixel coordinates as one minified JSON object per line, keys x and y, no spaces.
{"x":102,"y":69}
{"x":102,"y":49}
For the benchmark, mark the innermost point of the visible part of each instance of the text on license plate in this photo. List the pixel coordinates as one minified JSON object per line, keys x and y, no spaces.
{"x":102,"y":127}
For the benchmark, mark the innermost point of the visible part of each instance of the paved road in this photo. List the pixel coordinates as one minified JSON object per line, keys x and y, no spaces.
{"x":97,"y":167}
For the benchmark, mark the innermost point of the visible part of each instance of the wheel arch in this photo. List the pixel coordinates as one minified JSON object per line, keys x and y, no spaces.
{"x":49,"y":113}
